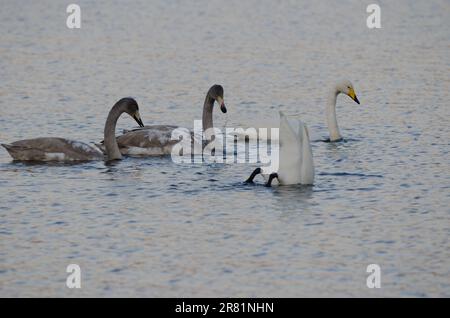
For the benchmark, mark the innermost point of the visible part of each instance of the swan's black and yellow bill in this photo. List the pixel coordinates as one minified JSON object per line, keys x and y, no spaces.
{"x":222,"y":105}
{"x":138,"y":119}
{"x":352,"y":95}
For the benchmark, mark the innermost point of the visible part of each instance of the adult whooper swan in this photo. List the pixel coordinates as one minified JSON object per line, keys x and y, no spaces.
{"x":295,"y":160}
{"x":60,"y":149}
{"x":156,"y":140}
{"x":343,"y":86}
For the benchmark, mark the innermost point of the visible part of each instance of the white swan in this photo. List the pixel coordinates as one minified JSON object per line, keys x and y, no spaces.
{"x":60,"y":149}
{"x":156,"y":140}
{"x":343,"y":86}
{"x":295,"y":160}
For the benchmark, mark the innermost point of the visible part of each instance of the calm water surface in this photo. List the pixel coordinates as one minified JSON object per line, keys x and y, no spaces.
{"x":149,"y":227}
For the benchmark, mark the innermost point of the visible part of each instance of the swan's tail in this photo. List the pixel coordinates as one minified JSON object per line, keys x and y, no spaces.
{"x":14,"y":151}
{"x":9,"y":148}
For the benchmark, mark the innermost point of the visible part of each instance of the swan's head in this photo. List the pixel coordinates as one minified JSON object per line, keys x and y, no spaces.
{"x":216,"y":93}
{"x":346,"y":87}
{"x":131,"y":108}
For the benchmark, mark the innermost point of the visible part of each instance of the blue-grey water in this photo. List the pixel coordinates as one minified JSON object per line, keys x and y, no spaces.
{"x":149,"y":227}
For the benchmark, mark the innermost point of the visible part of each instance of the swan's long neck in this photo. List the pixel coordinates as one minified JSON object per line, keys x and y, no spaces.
{"x":112,"y":148}
{"x":207,"y":119}
{"x":333,"y":127}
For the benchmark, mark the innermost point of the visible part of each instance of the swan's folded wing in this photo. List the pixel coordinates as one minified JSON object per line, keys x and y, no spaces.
{"x":151,"y":141}
{"x":307,"y":168}
{"x":125,"y":131}
{"x":152,"y":137}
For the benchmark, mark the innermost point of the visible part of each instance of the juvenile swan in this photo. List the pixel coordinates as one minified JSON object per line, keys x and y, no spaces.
{"x":295,"y":161}
{"x":60,"y":149}
{"x":155,"y":140}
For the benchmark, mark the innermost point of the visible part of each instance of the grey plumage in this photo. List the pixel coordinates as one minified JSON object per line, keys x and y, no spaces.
{"x":60,"y":149}
{"x":156,"y":140}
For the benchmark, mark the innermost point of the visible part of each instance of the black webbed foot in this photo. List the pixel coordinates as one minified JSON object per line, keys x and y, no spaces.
{"x":253,"y":175}
{"x":271,"y":177}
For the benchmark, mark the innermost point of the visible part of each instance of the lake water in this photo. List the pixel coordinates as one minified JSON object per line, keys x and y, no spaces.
{"x":150,"y":227}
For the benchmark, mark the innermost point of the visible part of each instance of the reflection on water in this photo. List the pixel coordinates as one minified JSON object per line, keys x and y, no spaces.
{"x":149,"y":227}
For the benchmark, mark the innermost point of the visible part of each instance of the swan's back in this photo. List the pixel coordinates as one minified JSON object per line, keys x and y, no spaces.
{"x":153,"y":140}
{"x":52,"y":149}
